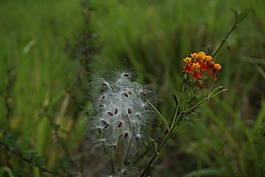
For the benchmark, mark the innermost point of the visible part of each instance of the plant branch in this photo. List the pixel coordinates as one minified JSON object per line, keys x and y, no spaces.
{"x":155,"y":154}
{"x":7,"y":95}
{"x":60,"y":140}
{"x":175,"y":122}
{"x":30,"y":161}
{"x":224,"y":40}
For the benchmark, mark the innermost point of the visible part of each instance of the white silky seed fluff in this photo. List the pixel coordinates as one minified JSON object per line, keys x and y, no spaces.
{"x":121,"y":111}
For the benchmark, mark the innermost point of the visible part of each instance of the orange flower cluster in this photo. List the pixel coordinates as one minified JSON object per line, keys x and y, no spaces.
{"x":200,"y":63}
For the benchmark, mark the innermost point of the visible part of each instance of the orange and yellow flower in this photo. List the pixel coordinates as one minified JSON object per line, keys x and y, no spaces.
{"x":200,"y":63}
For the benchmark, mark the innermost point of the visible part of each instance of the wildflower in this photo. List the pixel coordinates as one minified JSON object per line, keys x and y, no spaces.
{"x":200,"y":63}
{"x":196,"y":66}
{"x":187,"y":60}
{"x":217,"y":67}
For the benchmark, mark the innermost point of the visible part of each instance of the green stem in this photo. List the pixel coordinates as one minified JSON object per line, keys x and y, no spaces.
{"x":156,"y":153}
{"x":224,"y":40}
{"x":175,"y":121}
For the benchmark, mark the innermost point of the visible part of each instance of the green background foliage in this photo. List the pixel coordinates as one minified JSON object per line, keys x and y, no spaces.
{"x":44,"y":80}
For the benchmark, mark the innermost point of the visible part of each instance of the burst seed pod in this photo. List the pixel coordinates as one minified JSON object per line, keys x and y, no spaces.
{"x":120,"y":110}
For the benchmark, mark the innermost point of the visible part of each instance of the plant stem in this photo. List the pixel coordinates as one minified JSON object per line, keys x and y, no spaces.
{"x":156,"y":153}
{"x":175,"y":122}
{"x":7,"y":95}
{"x":61,"y":142}
{"x":224,"y":40}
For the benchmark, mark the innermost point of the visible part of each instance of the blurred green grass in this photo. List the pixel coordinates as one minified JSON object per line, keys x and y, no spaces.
{"x":32,"y":40}
{"x":153,"y":36}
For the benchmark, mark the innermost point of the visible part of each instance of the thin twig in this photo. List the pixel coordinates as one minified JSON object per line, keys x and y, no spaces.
{"x":6,"y":95}
{"x":224,"y":40}
{"x":156,"y":153}
{"x":56,"y":129}
{"x":161,"y":145}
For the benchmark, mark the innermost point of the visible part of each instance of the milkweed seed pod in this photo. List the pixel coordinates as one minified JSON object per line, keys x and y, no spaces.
{"x":121,"y":115}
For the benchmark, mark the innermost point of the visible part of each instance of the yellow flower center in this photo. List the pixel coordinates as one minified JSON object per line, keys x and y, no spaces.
{"x":194,"y":56}
{"x":196,"y":66}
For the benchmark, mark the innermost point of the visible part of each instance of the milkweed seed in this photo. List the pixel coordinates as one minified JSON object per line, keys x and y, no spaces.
{"x":120,"y":124}
{"x":129,"y":110}
{"x":110,"y":113}
{"x":144,"y":93}
{"x":126,"y":135}
{"x":106,"y":126}
{"x":126,"y":75}
{"x":138,"y":116}
{"x":104,"y":122}
{"x":104,"y":83}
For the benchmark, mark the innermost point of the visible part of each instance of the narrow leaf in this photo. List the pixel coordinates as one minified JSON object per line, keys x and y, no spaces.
{"x":234,"y":12}
{"x":205,"y":172}
{"x":160,"y":115}
{"x":4,"y":170}
{"x":155,"y":144}
{"x":241,"y":16}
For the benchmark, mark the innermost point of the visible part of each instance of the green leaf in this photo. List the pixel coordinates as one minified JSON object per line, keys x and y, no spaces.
{"x":205,"y":172}
{"x":160,"y":115}
{"x":242,"y":15}
{"x":155,"y":144}
{"x":234,"y":12}
{"x":6,"y":170}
